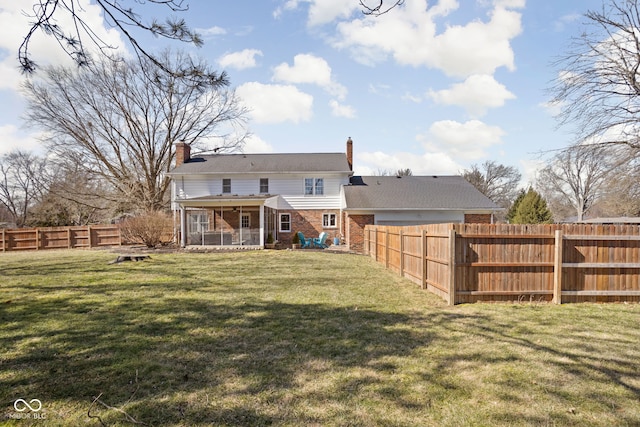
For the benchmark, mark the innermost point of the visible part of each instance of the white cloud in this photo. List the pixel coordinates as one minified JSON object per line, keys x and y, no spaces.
{"x":410,"y":35}
{"x":560,"y":24}
{"x":276,"y":103}
{"x":255,"y":144}
{"x":412,"y":98}
{"x":288,"y":5}
{"x":240,"y":60}
{"x":309,"y":69}
{"x":529,"y":170}
{"x":340,"y":110}
{"x":476,"y":94}
{"x":510,"y":3}
{"x":420,"y":164}
{"x":449,"y":146}
{"x":463,"y":141}
{"x":12,"y":139}
{"x":325,"y":11}
{"x":211,"y":32}
{"x":44,"y":49}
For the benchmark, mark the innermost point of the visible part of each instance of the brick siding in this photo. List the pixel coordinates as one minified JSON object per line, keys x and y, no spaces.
{"x":309,"y":222}
{"x":477,"y":218}
{"x":355,"y":227}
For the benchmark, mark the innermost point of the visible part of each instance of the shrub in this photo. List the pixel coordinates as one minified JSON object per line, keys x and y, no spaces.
{"x":150,"y":228}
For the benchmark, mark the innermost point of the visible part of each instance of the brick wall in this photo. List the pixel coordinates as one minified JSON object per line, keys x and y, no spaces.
{"x":477,"y":218}
{"x":355,"y":230}
{"x":309,"y":222}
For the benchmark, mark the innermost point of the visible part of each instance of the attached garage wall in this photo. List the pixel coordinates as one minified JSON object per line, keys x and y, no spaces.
{"x":418,"y":217}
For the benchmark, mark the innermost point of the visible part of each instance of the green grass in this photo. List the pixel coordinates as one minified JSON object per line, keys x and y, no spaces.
{"x":297,"y":338}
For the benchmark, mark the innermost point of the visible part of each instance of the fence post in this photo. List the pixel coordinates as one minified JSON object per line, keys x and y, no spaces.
{"x":366,"y":241}
{"x":37,"y":239}
{"x":4,"y":242}
{"x":401,"y":254}
{"x":423,"y":250}
{"x":375,"y":244}
{"x":89,"y":234}
{"x":386,"y":247}
{"x":452,"y":267}
{"x":68,"y":237}
{"x":557,"y":268}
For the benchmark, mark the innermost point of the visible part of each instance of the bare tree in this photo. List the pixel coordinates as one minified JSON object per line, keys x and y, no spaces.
{"x":391,"y":172}
{"x":78,"y":40}
{"x":578,"y":175}
{"x":19,"y":188}
{"x":497,"y":182}
{"x":621,"y":192}
{"x":377,"y":8}
{"x":72,"y":196}
{"x":121,"y":119}
{"x":598,"y":84}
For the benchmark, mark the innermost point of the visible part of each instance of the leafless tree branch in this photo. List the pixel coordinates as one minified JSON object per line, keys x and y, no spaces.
{"x":378,"y":8}
{"x":78,"y":40}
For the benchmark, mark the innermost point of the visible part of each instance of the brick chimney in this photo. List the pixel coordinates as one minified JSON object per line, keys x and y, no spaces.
{"x":350,"y":153}
{"x":183,"y":152}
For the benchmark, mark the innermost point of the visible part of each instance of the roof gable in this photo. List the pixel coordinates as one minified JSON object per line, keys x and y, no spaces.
{"x":264,"y":163}
{"x":414,"y":192}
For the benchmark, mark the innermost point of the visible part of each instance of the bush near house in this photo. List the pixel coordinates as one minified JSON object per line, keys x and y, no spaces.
{"x":151,"y":228}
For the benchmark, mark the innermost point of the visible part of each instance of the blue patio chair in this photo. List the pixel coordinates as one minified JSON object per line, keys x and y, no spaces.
{"x":304,"y":243}
{"x":321,"y":241}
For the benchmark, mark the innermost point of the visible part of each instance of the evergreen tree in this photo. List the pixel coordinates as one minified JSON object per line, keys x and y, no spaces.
{"x":532,"y":209}
{"x":514,"y":206}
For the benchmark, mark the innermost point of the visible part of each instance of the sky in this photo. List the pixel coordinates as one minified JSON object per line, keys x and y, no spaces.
{"x":433,"y":86}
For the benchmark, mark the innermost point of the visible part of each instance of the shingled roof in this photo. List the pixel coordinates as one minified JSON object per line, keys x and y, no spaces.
{"x":414,"y":192}
{"x":264,"y":163}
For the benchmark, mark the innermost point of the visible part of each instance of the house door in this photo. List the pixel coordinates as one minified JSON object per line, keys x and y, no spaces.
{"x":245,"y":227}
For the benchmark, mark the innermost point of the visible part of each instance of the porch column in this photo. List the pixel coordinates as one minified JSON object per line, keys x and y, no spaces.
{"x":183,"y":227}
{"x":262,"y":225}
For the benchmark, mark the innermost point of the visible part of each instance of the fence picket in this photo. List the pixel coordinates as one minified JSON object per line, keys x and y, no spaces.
{"x":559,"y":263}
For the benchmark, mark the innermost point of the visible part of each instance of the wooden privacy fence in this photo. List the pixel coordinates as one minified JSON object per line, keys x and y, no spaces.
{"x":479,"y":262}
{"x":88,"y":236}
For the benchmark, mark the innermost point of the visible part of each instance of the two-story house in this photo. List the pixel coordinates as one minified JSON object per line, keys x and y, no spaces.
{"x":238,"y":200}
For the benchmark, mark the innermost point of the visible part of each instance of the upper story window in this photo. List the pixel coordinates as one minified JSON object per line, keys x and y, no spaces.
{"x":226,"y":185}
{"x":313,"y":186}
{"x":264,"y":185}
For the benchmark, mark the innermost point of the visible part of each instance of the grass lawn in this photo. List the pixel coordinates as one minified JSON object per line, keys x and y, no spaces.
{"x":296,"y":338}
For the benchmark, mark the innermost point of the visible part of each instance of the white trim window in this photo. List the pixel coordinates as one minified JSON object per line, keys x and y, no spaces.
{"x":285,"y":222}
{"x":329,"y":220}
{"x":226,"y":185}
{"x":264,"y":185}
{"x":313,"y":186}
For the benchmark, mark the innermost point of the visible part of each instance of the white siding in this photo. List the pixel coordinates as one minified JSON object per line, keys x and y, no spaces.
{"x":417,"y":217}
{"x":291,"y":188}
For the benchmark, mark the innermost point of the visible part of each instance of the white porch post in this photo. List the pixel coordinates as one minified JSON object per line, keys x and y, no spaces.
{"x":240,"y":224}
{"x":262,"y":225}
{"x":183,"y":227}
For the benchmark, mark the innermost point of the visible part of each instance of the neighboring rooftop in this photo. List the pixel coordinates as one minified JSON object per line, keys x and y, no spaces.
{"x":415,"y":192}
{"x":264,"y":163}
{"x":616,"y":220}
